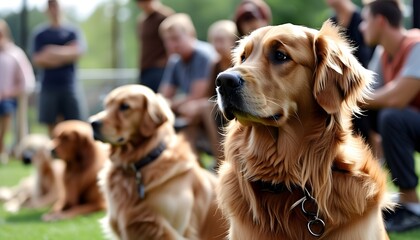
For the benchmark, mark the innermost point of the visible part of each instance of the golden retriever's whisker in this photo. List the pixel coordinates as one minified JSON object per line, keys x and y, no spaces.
{"x":215,"y":112}
{"x":296,"y":116}
{"x":213,"y":99}
{"x":272,"y":101}
{"x":272,"y":136}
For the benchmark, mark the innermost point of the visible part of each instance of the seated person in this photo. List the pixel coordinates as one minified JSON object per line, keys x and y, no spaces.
{"x":398,"y":103}
{"x":187,"y":73}
{"x":203,"y":112}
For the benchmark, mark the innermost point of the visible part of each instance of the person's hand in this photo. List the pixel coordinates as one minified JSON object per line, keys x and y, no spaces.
{"x":191,"y":110}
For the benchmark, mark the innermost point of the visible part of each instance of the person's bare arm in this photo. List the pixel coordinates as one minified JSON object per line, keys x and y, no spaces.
{"x":396,"y":94}
{"x":167,"y":90}
{"x":53,"y":56}
{"x":198,"y":90}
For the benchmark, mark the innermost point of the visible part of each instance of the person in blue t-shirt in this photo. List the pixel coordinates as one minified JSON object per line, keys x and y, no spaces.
{"x":56,"y":49}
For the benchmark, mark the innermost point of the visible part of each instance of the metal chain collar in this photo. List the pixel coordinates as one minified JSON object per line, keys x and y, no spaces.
{"x":315,"y":225}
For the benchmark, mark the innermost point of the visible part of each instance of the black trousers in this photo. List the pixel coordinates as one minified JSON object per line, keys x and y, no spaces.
{"x":400,"y":132}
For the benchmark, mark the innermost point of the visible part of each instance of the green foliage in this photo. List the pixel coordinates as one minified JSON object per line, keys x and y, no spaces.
{"x":97,"y":31}
{"x":204,"y":12}
{"x":308,"y":13}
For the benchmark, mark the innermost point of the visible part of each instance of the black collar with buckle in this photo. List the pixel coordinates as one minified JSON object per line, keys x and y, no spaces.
{"x":137,"y":166}
{"x":308,"y":203}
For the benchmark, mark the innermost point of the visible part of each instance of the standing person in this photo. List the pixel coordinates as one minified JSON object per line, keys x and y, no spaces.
{"x":56,"y":50}
{"x":152,"y":54}
{"x":250,"y":15}
{"x":16,"y":79}
{"x":398,"y":102}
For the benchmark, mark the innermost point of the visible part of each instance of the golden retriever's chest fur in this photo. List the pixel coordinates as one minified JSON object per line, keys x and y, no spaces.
{"x":124,"y":197}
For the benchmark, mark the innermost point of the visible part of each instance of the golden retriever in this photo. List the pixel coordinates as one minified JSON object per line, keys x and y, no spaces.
{"x":293,"y":169}
{"x":73,"y":142}
{"x":40,"y":189}
{"x":154,"y":187}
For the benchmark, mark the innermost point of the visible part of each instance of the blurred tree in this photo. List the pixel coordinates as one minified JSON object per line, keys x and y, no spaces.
{"x":97,"y":31}
{"x":34,"y":17}
{"x":300,"y":12}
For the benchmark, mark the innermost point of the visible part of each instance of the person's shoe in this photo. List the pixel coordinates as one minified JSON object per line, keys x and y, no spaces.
{"x":401,"y":220}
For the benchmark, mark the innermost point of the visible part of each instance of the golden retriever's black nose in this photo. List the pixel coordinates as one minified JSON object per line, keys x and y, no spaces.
{"x":227,"y":82}
{"x":54,"y":153}
{"x":96,"y":126}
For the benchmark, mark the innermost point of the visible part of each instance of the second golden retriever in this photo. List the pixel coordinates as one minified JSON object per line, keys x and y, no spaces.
{"x":293,"y":168}
{"x":73,"y":142}
{"x":154,"y":187}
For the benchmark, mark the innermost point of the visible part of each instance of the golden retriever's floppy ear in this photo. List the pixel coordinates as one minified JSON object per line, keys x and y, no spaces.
{"x":339,"y":77}
{"x":86,"y":140}
{"x":156,"y":112}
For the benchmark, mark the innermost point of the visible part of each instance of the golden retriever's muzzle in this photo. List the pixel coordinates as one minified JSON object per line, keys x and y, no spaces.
{"x":229,"y":86}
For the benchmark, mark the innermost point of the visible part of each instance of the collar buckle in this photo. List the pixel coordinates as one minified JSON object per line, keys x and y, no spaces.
{"x":137,"y":166}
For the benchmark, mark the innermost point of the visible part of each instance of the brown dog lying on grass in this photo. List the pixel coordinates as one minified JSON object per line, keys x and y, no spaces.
{"x":40,"y":189}
{"x":73,"y":142}
{"x":155,"y":188}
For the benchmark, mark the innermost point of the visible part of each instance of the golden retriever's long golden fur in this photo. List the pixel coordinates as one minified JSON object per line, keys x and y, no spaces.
{"x":73,"y":142}
{"x":290,"y":96}
{"x":179,"y":199}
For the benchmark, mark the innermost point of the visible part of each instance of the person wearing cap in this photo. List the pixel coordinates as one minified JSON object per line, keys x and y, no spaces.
{"x":57,"y":47}
{"x":250,"y":15}
{"x":152,"y":53}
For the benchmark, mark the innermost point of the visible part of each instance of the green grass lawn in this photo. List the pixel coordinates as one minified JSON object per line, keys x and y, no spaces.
{"x":27,"y":224}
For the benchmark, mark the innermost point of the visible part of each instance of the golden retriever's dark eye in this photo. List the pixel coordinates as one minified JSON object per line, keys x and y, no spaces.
{"x":124,"y":107}
{"x":243,"y":58}
{"x":278,"y":57}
